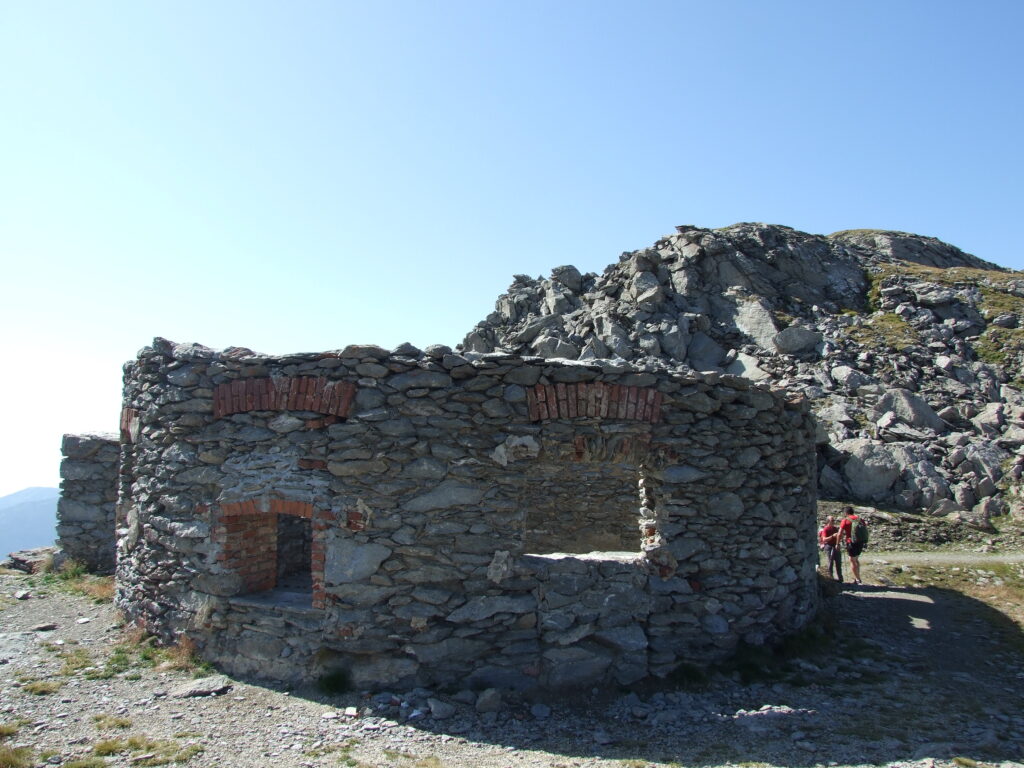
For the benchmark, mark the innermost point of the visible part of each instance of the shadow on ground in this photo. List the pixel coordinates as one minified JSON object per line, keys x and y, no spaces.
{"x":903,"y":674}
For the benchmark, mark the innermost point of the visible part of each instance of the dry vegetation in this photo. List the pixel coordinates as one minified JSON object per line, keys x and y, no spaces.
{"x":997,"y":292}
{"x":885,"y":329}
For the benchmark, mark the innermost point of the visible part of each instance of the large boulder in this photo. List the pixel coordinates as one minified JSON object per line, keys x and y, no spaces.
{"x":870,"y":470}
{"x":911,"y":409}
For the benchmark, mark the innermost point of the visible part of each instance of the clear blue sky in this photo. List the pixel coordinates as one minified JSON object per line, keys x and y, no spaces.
{"x":301,"y":176}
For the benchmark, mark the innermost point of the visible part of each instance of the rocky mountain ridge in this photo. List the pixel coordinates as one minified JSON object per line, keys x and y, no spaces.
{"x":909,"y":349}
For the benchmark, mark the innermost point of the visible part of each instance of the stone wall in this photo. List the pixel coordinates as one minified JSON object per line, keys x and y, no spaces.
{"x":448,"y":506}
{"x":85,"y":512}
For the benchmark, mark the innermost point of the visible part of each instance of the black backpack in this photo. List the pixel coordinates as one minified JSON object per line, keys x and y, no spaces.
{"x":859,"y":531}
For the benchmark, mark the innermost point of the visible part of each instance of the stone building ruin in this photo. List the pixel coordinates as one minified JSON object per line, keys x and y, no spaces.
{"x":429,"y":518}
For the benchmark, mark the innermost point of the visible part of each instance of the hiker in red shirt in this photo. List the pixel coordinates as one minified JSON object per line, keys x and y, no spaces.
{"x":855,"y":539}
{"x":828,"y":540}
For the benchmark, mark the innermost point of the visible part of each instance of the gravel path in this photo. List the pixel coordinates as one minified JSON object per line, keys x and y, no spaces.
{"x":916,"y":678}
{"x":941,"y":557}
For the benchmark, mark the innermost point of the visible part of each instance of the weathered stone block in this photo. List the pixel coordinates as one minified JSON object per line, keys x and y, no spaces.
{"x":350,"y":561}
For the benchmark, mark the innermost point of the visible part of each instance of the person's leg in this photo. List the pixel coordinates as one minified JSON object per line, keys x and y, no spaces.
{"x":838,"y":554}
{"x":855,"y":567}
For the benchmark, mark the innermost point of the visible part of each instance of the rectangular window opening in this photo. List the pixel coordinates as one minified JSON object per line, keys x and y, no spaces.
{"x":581,"y":507}
{"x":294,"y":554}
{"x":273,"y":555}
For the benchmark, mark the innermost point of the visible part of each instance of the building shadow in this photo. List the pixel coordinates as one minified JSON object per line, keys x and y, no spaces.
{"x":901,"y":674}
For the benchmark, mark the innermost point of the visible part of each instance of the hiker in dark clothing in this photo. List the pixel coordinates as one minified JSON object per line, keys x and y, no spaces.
{"x":828,"y":540}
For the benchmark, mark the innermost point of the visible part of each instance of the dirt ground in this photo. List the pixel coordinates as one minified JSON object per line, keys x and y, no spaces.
{"x":923,"y":665}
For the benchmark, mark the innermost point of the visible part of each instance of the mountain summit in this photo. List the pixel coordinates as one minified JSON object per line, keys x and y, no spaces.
{"x":909,"y":349}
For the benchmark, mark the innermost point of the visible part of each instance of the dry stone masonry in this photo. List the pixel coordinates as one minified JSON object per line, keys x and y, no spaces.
{"x":85,"y":512}
{"x":428,"y":517}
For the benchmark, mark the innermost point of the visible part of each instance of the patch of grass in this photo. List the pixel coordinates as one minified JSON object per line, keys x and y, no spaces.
{"x":321,"y":751}
{"x":183,"y":755}
{"x":956,"y":277}
{"x":8,"y":729}
{"x":996,"y":302}
{"x":107,"y":747}
{"x":345,"y":754}
{"x":73,"y":577}
{"x":75,"y":660}
{"x":99,"y":588}
{"x":139,"y":649}
{"x":71,"y":570}
{"x":996,"y":289}
{"x":1000,"y":346}
{"x":182,"y":656}
{"x":862,"y":232}
{"x":782,"y":319}
{"x":16,"y":758}
{"x":117,"y":662}
{"x":873,"y":298}
{"x":146,"y":751}
{"x":887,"y":330}
{"x":86,"y":762}
{"x":110,"y":722}
{"x":41,"y":687}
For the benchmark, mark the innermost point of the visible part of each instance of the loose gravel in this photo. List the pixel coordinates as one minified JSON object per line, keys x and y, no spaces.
{"x":911,"y":677}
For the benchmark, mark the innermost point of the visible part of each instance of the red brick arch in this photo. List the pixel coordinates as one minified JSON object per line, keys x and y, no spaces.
{"x":594,"y":400}
{"x":297,"y":393}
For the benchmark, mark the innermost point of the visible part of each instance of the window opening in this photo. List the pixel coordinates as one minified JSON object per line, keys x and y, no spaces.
{"x":294,"y":553}
{"x":578,"y":507}
{"x":271,"y":552}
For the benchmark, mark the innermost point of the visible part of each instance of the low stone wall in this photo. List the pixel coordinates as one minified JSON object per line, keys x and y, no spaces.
{"x":422,"y":517}
{"x":88,"y":496}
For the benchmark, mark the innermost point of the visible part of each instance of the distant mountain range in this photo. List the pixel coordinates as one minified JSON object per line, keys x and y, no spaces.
{"x":28,"y":519}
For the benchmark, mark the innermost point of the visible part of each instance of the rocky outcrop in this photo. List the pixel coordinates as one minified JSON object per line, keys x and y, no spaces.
{"x":909,"y":349}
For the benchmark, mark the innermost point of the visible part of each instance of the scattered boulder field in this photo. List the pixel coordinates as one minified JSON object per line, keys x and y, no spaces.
{"x":909,"y":349}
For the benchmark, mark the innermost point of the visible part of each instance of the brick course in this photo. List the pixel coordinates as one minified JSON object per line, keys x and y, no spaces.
{"x":594,"y":400}
{"x":300,"y":393}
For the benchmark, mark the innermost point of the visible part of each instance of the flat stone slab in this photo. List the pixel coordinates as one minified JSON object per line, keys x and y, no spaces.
{"x":204,"y":686}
